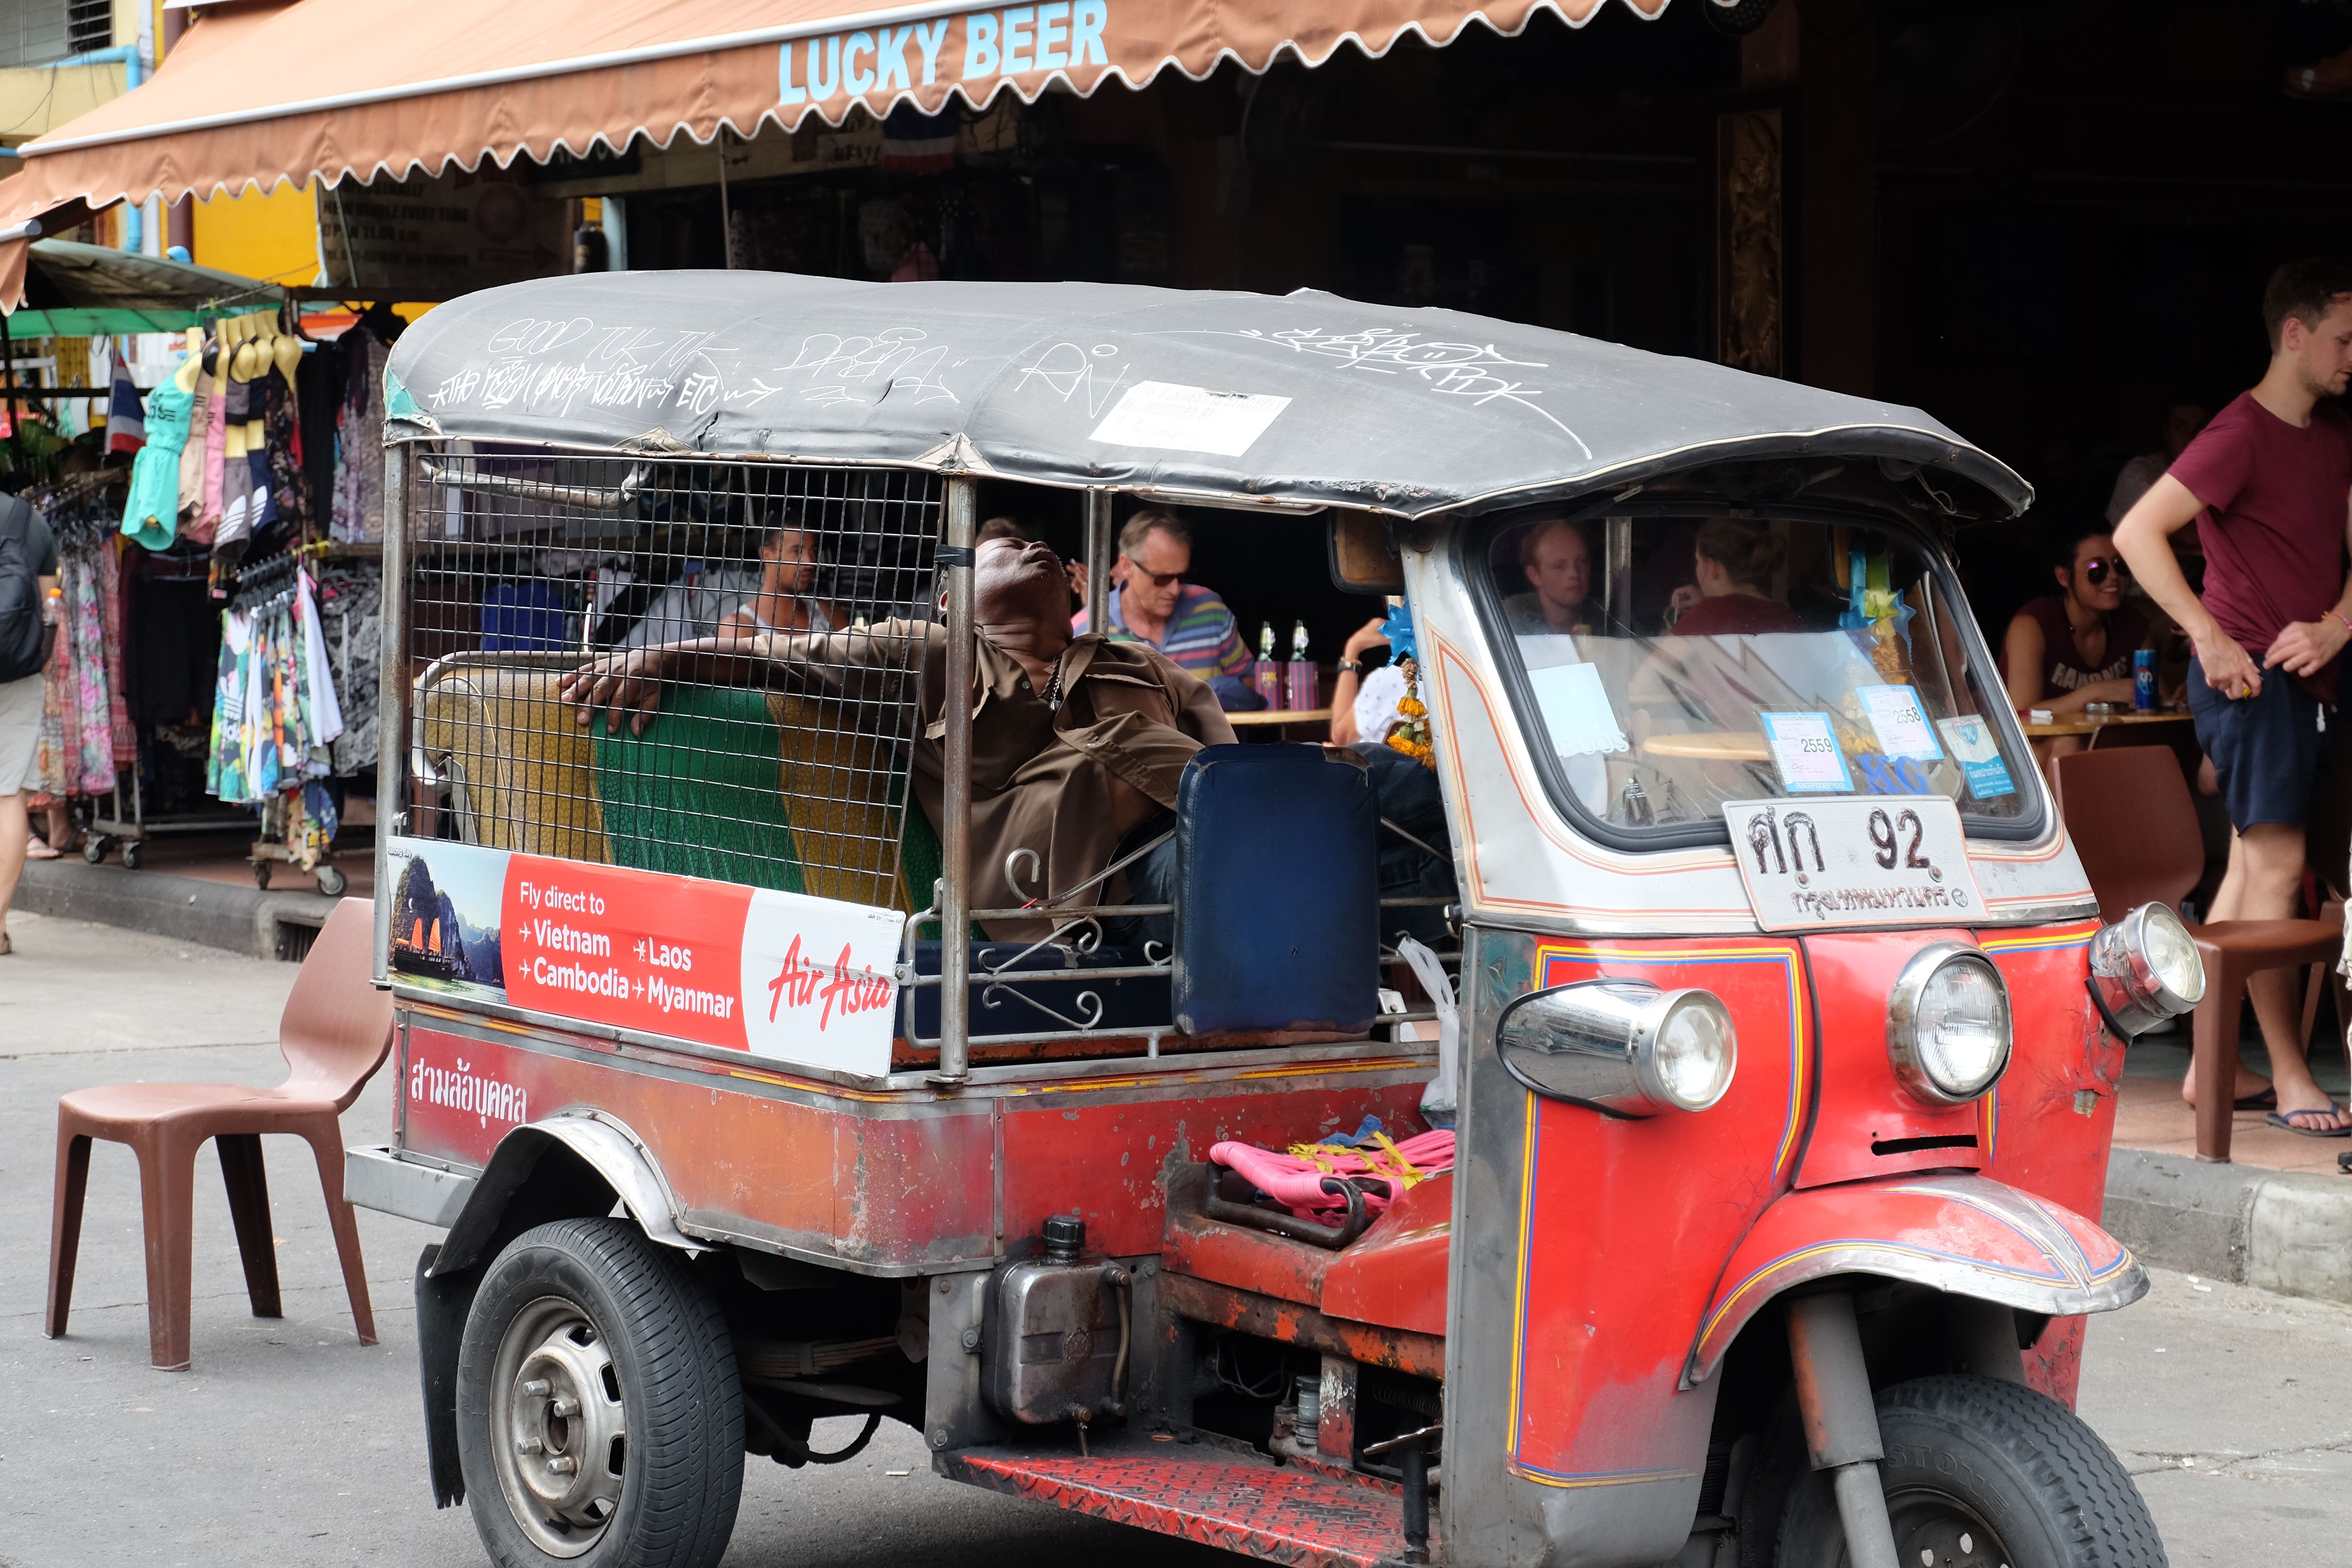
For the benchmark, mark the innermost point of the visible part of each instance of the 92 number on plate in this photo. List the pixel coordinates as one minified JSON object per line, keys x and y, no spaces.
{"x":1884,"y":836}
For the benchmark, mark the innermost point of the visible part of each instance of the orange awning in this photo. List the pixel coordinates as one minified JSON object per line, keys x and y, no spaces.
{"x":327,"y":88}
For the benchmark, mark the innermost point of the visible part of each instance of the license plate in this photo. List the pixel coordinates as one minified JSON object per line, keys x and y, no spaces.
{"x":1874,"y":860}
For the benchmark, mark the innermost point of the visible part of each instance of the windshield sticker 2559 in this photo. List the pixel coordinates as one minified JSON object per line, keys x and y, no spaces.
{"x":783,"y":975}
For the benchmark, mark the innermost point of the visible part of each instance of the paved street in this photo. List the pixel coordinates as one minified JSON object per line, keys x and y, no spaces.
{"x":289,"y":1444}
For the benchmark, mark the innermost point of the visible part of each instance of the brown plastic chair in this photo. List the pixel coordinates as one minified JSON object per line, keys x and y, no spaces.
{"x":335,"y":1032}
{"x":2136,"y":832}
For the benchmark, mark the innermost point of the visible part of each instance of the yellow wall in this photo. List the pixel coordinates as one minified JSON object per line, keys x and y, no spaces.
{"x":36,"y":99}
{"x":274,"y":238}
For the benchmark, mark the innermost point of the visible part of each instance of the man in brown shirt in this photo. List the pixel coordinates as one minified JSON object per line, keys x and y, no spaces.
{"x":1076,"y":742}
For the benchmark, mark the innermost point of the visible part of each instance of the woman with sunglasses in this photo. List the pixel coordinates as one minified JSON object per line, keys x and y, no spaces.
{"x":2075,"y":647}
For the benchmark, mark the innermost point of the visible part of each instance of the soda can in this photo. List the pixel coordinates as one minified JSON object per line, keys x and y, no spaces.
{"x":2143,"y":680}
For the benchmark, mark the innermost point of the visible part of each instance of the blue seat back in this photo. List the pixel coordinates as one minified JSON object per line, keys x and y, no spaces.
{"x":1277,"y":902}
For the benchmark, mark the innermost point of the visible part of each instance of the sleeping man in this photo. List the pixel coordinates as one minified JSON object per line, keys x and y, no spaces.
{"x":1077,"y":742}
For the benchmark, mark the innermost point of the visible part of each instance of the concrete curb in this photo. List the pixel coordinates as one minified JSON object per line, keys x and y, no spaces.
{"x":184,"y":909}
{"x":2286,"y":1231}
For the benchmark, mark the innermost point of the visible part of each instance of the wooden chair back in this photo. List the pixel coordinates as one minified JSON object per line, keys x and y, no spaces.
{"x":2134,"y":823}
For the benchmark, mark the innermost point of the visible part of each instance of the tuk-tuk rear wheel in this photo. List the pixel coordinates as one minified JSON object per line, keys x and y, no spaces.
{"x":1984,"y":1474}
{"x":600,"y":1417}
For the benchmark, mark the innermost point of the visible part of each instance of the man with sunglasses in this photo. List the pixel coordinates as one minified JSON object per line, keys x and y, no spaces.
{"x":2073,"y":648}
{"x":1153,"y":603}
{"x":2269,"y":484}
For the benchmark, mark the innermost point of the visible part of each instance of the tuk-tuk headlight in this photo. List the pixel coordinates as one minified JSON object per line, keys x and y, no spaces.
{"x":1623,"y":1047}
{"x":2145,"y":969}
{"x":1948,"y":1024}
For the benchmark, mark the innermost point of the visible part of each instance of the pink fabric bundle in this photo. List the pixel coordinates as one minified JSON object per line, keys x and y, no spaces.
{"x":1296,"y":1177}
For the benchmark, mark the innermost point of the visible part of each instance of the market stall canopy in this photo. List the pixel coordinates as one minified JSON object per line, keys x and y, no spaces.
{"x":81,"y":290}
{"x":330,"y":89}
{"x":1298,"y":400}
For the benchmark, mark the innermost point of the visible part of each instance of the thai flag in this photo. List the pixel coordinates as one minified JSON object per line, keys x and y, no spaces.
{"x":917,"y":143}
{"x":126,"y":416}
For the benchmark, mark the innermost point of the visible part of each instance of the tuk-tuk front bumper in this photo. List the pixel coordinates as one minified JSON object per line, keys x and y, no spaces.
{"x":1964,"y":1234}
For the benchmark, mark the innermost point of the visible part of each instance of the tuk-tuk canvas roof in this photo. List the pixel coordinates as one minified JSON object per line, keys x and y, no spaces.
{"x":1305,"y":398}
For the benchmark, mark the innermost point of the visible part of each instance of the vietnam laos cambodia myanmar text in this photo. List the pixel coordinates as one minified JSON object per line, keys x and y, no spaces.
{"x":616,"y":985}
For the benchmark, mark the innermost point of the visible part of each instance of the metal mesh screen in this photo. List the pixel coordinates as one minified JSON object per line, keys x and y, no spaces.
{"x":762,"y":621}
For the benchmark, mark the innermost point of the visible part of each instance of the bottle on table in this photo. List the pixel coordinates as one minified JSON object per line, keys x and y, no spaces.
{"x":1265,"y":675}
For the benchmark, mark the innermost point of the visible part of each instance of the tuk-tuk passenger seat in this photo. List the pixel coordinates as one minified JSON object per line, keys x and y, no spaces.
{"x":759,"y":788}
{"x":1277,"y":898}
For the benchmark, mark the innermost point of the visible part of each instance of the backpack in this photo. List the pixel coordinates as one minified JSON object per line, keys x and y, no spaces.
{"x":24,"y":638}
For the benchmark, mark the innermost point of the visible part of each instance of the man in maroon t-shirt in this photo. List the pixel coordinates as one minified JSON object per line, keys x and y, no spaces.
{"x":2269,"y":483}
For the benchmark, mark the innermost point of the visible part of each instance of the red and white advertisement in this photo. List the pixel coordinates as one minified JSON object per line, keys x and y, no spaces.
{"x":783,"y":975}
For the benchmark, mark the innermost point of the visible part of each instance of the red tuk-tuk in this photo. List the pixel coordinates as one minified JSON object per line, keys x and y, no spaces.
{"x":1706,"y":894}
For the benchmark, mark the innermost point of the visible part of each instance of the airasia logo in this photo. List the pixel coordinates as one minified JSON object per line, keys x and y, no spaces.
{"x":800,"y":983}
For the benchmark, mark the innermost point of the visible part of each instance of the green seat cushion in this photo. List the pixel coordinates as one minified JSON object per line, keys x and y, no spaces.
{"x":700,"y":792}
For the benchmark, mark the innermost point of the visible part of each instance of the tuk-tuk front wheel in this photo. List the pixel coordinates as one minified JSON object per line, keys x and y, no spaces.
{"x":600,"y":1420}
{"x":1985,"y":1474}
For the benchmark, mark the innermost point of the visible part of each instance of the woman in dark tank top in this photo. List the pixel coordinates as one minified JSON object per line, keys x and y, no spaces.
{"x":2075,"y":647}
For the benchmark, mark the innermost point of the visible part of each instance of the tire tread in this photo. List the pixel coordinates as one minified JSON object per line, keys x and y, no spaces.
{"x":2103,"y":1520}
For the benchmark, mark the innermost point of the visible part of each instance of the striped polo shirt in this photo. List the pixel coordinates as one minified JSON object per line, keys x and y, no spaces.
{"x":1200,"y":638}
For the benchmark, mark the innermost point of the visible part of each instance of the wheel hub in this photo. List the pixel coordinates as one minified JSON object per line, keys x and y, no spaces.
{"x":559,"y":1429}
{"x":1933,"y":1530}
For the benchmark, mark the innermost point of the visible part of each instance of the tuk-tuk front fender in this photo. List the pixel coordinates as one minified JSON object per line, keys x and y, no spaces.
{"x":1964,"y":1234}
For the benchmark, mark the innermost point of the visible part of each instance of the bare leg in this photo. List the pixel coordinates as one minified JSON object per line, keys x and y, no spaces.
{"x":14,"y":829}
{"x":2265,"y":871}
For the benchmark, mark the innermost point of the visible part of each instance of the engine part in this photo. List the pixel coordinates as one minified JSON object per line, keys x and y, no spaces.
{"x":1057,"y":1333}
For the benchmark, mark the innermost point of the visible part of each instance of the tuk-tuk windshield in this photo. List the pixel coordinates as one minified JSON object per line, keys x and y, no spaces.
{"x":1674,"y":662}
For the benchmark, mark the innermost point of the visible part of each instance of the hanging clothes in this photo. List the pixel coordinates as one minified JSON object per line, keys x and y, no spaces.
{"x":207,"y":527}
{"x":358,"y":515}
{"x":275,"y":711}
{"x":351,"y":612}
{"x":150,"y":519}
{"x":85,"y":724}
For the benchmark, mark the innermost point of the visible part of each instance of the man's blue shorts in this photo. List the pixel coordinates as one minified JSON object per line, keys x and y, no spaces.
{"x":2269,"y":751}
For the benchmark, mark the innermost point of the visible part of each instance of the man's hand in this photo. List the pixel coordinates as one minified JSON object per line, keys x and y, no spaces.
{"x":2305,"y":647}
{"x":1365,"y":638}
{"x":618,"y":682}
{"x":2229,"y":669}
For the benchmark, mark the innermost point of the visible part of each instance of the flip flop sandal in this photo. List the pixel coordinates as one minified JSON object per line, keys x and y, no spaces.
{"x":2260,"y":1100}
{"x":39,"y":850}
{"x":2286,"y":1120}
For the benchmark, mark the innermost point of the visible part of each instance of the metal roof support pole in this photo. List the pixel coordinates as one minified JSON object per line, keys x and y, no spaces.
{"x":393,"y":739}
{"x":955,"y":833}
{"x":1099,"y":548}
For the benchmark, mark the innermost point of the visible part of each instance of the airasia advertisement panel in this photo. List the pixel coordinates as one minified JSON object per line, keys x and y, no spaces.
{"x":782,"y":975}
{"x":1621,"y":1221}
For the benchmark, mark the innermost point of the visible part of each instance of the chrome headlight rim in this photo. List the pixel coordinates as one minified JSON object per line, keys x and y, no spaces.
{"x":1596,"y":1043}
{"x":2131,"y":993}
{"x":1903,"y":1023}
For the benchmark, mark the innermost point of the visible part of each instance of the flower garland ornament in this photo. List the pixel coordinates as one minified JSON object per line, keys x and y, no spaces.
{"x":1410,"y":735}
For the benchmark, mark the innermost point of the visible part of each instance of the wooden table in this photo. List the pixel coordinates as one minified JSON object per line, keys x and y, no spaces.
{"x":1711,"y":745}
{"x":2091,"y":724}
{"x":1275,"y":718}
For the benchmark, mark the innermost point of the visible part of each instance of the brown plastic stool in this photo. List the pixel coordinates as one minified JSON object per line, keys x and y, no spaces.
{"x":335,"y":1032}
{"x":2135,"y":827}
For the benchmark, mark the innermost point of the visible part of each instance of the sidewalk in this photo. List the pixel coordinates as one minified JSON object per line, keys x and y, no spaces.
{"x":196,"y":888}
{"x":2278,"y":1217}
